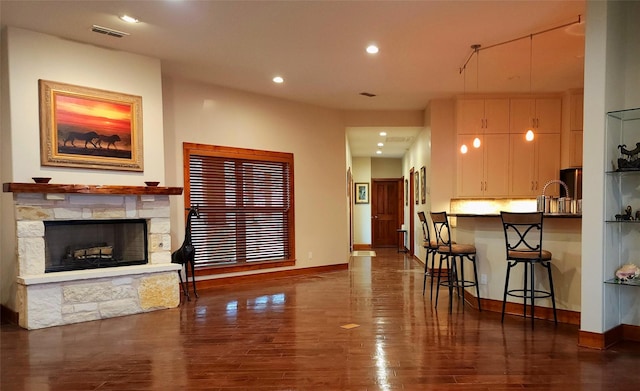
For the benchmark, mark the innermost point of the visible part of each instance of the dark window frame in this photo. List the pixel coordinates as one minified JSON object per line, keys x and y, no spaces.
{"x":215,"y":200}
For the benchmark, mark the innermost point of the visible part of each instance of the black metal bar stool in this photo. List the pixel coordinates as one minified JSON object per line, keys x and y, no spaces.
{"x":451,"y":251}
{"x":431,"y":247}
{"x":523,"y":240}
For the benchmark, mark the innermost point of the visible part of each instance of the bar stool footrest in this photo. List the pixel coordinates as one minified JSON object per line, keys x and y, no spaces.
{"x":526,"y":294}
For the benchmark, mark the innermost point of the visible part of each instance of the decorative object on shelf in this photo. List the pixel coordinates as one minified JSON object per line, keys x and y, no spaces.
{"x":89,"y":128}
{"x":151,"y":183}
{"x":629,"y":160}
{"x":627,"y":272}
{"x":38,"y":179}
{"x":627,"y":215}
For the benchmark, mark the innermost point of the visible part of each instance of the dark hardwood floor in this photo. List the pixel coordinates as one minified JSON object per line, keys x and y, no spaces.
{"x":286,"y":334}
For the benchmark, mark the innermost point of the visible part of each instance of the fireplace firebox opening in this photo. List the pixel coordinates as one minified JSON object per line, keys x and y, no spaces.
{"x":92,"y":244}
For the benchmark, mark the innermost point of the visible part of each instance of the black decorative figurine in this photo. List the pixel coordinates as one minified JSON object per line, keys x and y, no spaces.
{"x":627,"y":215}
{"x":185,"y":255}
{"x":629,"y":160}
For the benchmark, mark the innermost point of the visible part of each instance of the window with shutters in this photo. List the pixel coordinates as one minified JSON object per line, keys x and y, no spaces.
{"x":245,"y":199}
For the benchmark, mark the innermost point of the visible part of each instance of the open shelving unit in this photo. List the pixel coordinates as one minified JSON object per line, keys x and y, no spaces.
{"x":622,"y":234}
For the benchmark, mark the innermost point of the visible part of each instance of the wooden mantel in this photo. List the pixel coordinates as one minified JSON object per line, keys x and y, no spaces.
{"x":47,"y":188}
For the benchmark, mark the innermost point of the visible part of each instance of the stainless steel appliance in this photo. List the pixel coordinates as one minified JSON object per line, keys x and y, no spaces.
{"x":573,"y":178}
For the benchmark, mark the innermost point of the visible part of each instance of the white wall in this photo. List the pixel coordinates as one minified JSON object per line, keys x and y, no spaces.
{"x":385,"y":168}
{"x":362,"y":212}
{"x":611,"y":83}
{"x":441,"y":117}
{"x":29,"y":56}
{"x":33,"y":56}
{"x":418,"y":155}
{"x":214,"y":115}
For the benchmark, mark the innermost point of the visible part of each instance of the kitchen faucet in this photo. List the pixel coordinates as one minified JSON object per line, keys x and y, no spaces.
{"x":547,"y":204}
{"x":566,"y":188}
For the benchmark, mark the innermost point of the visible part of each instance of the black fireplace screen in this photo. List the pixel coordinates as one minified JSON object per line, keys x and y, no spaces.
{"x":91,"y":244}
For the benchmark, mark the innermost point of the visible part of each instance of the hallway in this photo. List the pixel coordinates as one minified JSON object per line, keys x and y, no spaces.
{"x":286,"y":334}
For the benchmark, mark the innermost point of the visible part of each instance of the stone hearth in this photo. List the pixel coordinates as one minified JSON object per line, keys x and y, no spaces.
{"x":52,"y":299}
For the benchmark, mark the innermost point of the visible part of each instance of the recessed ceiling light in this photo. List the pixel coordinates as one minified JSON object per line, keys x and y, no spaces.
{"x":383,"y":134}
{"x":372,"y":49}
{"x":129,"y":19}
{"x":278,"y":79}
{"x":378,"y":152}
{"x":380,"y":144}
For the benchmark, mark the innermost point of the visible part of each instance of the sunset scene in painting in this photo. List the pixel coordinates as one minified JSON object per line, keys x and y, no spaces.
{"x":93,"y":127}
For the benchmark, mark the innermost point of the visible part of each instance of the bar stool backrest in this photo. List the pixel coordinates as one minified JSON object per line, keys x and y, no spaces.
{"x":523,"y":234}
{"x":426,"y":233}
{"x":441,"y":228}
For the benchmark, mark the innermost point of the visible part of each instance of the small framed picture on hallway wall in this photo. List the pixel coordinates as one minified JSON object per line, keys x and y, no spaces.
{"x":423,"y":184}
{"x":416,"y":187}
{"x":362,"y":193}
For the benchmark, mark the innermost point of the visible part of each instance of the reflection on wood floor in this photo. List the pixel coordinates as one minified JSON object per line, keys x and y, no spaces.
{"x":368,"y":328}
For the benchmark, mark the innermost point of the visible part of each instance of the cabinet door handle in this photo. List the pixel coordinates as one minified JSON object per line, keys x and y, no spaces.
{"x":485,"y":186}
{"x":532,"y":187}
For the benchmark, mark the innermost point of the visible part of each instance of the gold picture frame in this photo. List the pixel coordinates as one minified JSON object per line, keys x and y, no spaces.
{"x":362,"y":193}
{"x":89,"y":128}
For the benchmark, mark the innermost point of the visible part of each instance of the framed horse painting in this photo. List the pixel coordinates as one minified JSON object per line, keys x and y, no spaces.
{"x":89,"y":128}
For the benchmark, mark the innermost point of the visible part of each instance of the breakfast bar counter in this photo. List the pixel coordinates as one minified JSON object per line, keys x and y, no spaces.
{"x":562,"y":235}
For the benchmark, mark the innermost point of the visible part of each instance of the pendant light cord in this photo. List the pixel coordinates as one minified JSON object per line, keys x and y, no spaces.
{"x":530,"y":63}
{"x":474,"y":51}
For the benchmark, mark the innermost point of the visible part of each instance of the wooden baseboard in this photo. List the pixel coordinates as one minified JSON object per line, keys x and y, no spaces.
{"x":211,"y":283}
{"x":564,"y":316}
{"x":361,"y":247}
{"x":630,"y":333}
{"x":620,"y":333}
{"x":8,"y":316}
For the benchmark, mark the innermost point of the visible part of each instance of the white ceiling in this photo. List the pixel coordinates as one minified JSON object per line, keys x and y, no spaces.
{"x":318,"y":46}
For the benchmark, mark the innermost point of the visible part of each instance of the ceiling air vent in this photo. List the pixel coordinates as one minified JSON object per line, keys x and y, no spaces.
{"x":107,"y":31}
{"x":367,"y":94}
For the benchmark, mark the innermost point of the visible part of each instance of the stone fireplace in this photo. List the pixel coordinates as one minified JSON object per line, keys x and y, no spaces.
{"x":83,"y":281}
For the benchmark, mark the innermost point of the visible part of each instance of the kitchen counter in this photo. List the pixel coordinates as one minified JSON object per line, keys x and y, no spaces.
{"x":562,"y":235}
{"x":546,"y":215}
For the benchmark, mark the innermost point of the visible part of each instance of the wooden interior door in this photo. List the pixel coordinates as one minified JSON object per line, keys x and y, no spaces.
{"x":385,"y":217}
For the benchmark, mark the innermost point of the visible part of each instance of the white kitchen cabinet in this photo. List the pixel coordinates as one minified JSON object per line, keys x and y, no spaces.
{"x":542,"y":115}
{"x":575,"y":148}
{"x":576,"y":111}
{"x":484,"y":171}
{"x":482,"y":116}
{"x":533,"y":164}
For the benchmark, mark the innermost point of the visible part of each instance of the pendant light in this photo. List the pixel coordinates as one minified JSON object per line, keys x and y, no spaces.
{"x":476,"y":49}
{"x":463,"y":147}
{"x":529,"y":135}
